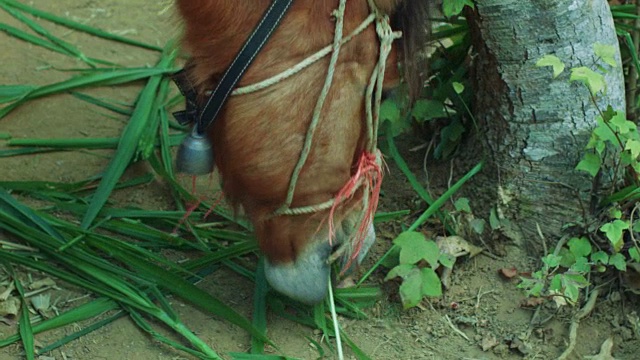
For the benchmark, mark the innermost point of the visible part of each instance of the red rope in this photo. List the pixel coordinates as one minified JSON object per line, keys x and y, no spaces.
{"x":369,"y":175}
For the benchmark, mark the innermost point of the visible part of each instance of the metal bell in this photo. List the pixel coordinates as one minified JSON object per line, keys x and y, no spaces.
{"x":195,"y":155}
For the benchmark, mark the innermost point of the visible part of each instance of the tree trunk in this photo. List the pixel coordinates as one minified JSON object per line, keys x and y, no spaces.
{"x":534,"y":128}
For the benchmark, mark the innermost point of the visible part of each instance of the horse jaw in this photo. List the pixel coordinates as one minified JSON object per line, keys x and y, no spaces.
{"x":307,"y":278}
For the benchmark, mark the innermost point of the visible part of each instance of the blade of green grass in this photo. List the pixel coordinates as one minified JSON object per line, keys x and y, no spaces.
{"x":129,"y":140}
{"x":103,"y":104}
{"x":24,"y":36}
{"x":184,"y":290}
{"x":78,"y":26}
{"x":67,"y":47}
{"x":103,"y":78}
{"x":144,"y":325}
{"x":82,"y":332}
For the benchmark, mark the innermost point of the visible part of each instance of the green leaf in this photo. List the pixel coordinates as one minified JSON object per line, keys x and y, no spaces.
{"x":580,"y":247}
{"x":572,"y":291}
{"x":556,"y":283}
{"x":567,"y":258}
{"x":458,"y":87}
{"x":613,"y":230}
{"x":554,"y":62}
{"x":454,"y":7}
{"x":633,"y":146}
{"x":618,"y":261}
{"x":401,"y":270}
{"x":621,"y":124}
{"x":635,"y":255}
{"x":462,"y":205}
{"x":411,"y":289}
{"x":615,"y":213}
{"x":600,"y":257}
{"x":590,"y":163}
{"x":447,"y":260}
{"x":581,"y":265}
{"x":477,"y":225}
{"x":415,"y":247}
{"x":424,"y":110}
{"x":389,"y":112}
{"x":493,"y":220}
{"x":591,"y":79}
{"x":606,"y":52}
{"x":552,"y":260}
{"x":431,"y":285}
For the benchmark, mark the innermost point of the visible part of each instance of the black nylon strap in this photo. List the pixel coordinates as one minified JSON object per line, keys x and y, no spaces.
{"x":240,"y":64}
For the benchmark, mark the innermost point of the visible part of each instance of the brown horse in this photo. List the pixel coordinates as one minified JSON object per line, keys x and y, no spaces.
{"x":258,"y":137}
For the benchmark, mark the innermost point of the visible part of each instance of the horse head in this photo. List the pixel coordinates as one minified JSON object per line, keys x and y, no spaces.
{"x":259,"y":136}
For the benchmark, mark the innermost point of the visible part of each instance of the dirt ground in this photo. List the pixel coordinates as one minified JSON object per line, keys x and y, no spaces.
{"x":484,"y":308}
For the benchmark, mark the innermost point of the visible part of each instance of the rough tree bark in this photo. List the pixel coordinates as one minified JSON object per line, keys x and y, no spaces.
{"x":534,"y":127}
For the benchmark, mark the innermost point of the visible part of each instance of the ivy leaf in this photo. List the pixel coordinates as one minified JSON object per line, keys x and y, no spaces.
{"x":581,"y":265}
{"x":567,"y":257}
{"x":618,"y":261}
{"x":635,"y":255}
{"x":390,"y":112}
{"x":552,"y":260}
{"x":477,"y":225}
{"x":606,"y":53}
{"x":431,"y":285}
{"x":401,"y":270}
{"x":624,"y":126}
{"x":458,"y":87}
{"x":551,"y":60}
{"x":580,"y":247}
{"x":590,"y":78}
{"x":633,"y":146}
{"x":447,"y":260}
{"x":556,"y":283}
{"x":454,"y":7}
{"x":601,"y":257}
{"x":590,"y":163}
{"x":613,"y":230}
{"x":415,"y":247}
{"x":424,"y":110}
{"x":411,"y":289}
{"x":462,"y":205}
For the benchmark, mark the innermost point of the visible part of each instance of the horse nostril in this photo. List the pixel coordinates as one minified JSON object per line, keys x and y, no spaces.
{"x":306,"y":279}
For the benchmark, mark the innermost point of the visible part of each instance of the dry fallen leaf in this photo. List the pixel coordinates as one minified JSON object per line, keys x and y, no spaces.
{"x":46,"y":282}
{"x":531,"y":302}
{"x":509,"y":273}
{"x":489,"y":342}
{"x":457,"y":246}
{"x":9,"y":307}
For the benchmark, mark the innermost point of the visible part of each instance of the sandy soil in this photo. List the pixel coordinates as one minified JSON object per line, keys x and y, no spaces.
{"x":495,"y":319}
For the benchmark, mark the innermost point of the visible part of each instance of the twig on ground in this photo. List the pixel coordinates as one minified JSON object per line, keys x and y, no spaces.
{"x":455,"y":329}
{"x":581,"y":314}
{"x":480,"y":295}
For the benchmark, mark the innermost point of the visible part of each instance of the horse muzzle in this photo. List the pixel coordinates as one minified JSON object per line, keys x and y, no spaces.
{"x":307,"y":278}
